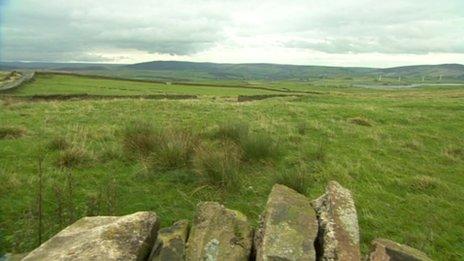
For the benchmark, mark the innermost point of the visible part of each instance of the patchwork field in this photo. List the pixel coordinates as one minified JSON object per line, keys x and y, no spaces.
{"x":401,"y":153}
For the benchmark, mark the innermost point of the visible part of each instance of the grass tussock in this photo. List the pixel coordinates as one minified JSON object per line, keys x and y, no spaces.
{"x":58,"y":143}
{"x":423,"y":184}
{"x":73,"y":157}
{"x":259,"y":146}
{"x":10,"y":132}
{"x":139,"y":139}
{"x":218,"y":164}
{"x":361,"y":121}
{"x":234,"y":131}
{"x":298,"y":178}
{"x":175,"y":150}
{"x":454,"y":153}
{"x":302,"y":128}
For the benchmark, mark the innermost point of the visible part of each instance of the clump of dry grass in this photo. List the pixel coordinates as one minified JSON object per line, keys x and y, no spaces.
{"x":423,"y":184}
{"x":73,"y":157}
{"x":175,"y":149}
{"x":255,"y":146}
{"x":218,"y":164}
{"x":58,"y":143}
{"x":10,"y":132}
{"x":454,"y":153}
{"x":298,"y":178}
{"x":140,"y":139}
{"x":234,"y":131}
{"x":361,"y":121}
{"x":302,"y":128}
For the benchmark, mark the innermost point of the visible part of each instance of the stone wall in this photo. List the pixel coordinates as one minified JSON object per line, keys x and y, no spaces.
{"x":291,"y":227}
{"x":25,"y":77}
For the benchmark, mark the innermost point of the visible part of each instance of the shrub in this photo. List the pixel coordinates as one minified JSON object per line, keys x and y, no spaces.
{"x":73,"y":157}
{"x":9,"y":132}
{"x":218,"y":164}
{"x":139,"y":139}
{"x":58,"y":143}
{"x":234,"y":131}
{"x":361,"y":121}
{"x":259,"y":147}
{"x":296,"y":178}
{"x":175,"y":150}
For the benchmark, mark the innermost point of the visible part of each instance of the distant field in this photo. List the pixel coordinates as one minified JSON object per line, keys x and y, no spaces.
{"x":401,"y":152}
{"x":45,"y":84}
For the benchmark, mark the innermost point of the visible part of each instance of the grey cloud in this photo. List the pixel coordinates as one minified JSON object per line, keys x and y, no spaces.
{"x":74,"y":30}
{"x":53,"y":28}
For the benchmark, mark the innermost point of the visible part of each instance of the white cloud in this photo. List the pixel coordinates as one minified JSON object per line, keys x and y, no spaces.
{"x":343,"y":32}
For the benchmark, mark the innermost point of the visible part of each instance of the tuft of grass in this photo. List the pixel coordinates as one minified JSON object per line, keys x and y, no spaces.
{"x":259,"y":147}
{"x":454,"y":153}
{"x":218,"y":164}
{"x":423,"y":184}
{"x":361,"y":121}
{"x":234,"y":131}
{"x":58,"y":143}
{"x":139,"y":139}
{"x":73,"y":157}
{"x":302,"y":128}
{"x":10,"y":132}
{"x":175,"y":150}
{"x":298,"y":178}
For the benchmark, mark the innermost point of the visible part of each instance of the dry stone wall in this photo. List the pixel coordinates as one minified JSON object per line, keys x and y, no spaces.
{"x":291,"y":228}
{"x":23,"y":78}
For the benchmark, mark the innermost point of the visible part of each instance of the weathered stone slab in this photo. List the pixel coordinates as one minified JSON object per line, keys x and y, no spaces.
{"x":288,"y":227}
{"x":338,"y":224}
{"x":102,"y":238}
{"x":170,"y":243}
{"x":387,"y":250}
{"x":219,"y":234}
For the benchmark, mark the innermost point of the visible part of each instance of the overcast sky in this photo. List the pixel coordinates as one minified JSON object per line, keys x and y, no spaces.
{"x":378,"y":33}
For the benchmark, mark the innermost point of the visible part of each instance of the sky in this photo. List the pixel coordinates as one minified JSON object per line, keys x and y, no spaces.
{"x":371,"y":33}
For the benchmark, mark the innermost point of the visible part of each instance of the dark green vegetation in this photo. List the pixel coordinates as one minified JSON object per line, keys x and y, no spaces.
{"x":401,"y":152}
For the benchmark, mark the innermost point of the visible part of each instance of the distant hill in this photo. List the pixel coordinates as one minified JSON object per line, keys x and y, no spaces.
{"x":249,"y":71}
{"x":281,"y":72}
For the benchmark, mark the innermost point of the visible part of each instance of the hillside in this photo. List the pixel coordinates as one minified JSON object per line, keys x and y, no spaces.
{"x":188,"y":71}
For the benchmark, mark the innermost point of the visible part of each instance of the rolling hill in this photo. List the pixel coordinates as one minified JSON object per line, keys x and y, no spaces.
{"x":252,"y":71}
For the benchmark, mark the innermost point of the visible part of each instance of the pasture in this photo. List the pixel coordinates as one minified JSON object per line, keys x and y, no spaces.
{"x":401,"y":153}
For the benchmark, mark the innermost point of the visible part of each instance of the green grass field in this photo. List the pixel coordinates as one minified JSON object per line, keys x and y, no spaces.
{"x":401,"y":153}
{"x":45,"y":84}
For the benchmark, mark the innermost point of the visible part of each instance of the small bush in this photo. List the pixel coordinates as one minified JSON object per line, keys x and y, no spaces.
{"x":175,"y":150}
{"x":58,"y":143}
{"x":9,"y":132}
{"x":361,"y":121}
{"x":298,"y":179}
{"x":73,"y":157}
{"x":234,"y":131}
{"x":140,"y":139}
{"x":259,"y":147}
{"x":218,"y":164}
